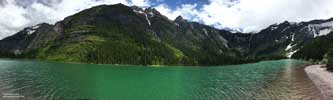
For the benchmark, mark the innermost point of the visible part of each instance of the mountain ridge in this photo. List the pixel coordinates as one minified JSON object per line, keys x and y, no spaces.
{"x":118,"y":34}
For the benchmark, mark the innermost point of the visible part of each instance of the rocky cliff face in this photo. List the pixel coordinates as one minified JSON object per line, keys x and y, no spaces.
{"x":283,"y":39}
{"x":119,"y":34}
{"x":30,"y":38}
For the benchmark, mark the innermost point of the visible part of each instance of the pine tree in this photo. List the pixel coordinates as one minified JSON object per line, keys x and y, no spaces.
{"x":330,"y":59}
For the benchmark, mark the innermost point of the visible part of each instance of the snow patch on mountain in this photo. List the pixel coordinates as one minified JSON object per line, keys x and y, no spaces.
{"x":148,"y":20}
{"x":291,"y":46}
{"x":274,"y":27}
{"x":138,"y":11}
{"x":312,"y":30}
{"x":291,"y":53}
{"x":319,"y":29}
{"x":35,"y":27}
{"x":177,"y":24}
{"x":234,"y":31}
{"x":142,"y":12}
{"x":291,"y":43}
{"x":151,"y":14}
{"x":32,"y":29}
{"x":324,"y":32}
{"x":285,"y":29}
{"x":327,"y":24}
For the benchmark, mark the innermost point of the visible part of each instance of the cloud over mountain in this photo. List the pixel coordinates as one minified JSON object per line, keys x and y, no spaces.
{"x":248,"y":15}
{"x":251,"y":15}
{"x":17,"y":14}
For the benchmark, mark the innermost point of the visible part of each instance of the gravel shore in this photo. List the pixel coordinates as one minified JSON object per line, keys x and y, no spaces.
{"x":322,"y":79}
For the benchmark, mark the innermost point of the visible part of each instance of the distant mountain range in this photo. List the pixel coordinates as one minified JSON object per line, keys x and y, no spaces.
{"x":118,"y":34}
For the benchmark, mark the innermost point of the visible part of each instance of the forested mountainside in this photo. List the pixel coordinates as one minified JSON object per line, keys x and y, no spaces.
{"x":118,"y":34}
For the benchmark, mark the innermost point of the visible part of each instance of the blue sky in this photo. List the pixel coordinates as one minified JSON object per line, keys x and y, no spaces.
{"x":174,"y":3}
{"x":248,"y":15}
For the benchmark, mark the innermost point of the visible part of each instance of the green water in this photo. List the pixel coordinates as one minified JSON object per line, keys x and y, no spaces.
{"x":57,"y":81}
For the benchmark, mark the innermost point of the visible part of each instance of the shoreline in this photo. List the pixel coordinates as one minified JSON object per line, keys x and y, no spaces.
{"x":154,"y":66}
{"x":322,"y":79}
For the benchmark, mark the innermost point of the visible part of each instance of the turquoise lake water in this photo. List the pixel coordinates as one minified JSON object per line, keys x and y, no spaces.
{"x":268,"y":80}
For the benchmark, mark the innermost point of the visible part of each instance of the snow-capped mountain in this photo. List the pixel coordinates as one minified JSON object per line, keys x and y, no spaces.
{"x":283,"y":39}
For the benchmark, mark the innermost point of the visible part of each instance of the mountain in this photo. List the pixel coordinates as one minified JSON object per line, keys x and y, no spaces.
{"x":118,"y":34}
{"x":28,"y":39}
{"x":284,"y":39}
{"x":317,"y":49}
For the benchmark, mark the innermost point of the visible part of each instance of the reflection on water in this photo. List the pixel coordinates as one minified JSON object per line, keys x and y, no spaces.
{"x":273,"y":80}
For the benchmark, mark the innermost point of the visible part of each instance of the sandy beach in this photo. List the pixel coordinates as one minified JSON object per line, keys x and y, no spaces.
{"x":322,"y":79}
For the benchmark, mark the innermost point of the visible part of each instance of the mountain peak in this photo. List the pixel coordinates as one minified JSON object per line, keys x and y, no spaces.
{"x":119,"y":4}
{"x":286,"y":22}
{"x":179,"y":19}
{"x":152,"y":11}
{"x":137,"y":8}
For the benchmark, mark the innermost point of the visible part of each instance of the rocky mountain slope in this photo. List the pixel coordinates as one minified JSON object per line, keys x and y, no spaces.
{"x":118,"y":34}
{"x":284,"y":39}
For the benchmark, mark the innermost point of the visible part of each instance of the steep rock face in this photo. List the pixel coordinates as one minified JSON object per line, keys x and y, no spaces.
{"x":275,"y":39}
{"x":293,"y":36}
{"x":283,"y":39}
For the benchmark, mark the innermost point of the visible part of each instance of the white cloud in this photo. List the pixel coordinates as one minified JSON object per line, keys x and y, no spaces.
{"x":145,"y":3}
{"x":252,"y":15}
{"x":12,"y":18}
{"x":15,"y":17}
{"x":187,"y":11}
{"x":165,"y":10}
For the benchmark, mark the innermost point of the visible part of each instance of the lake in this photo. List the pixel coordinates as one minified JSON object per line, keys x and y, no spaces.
{"x":272,"y":80}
